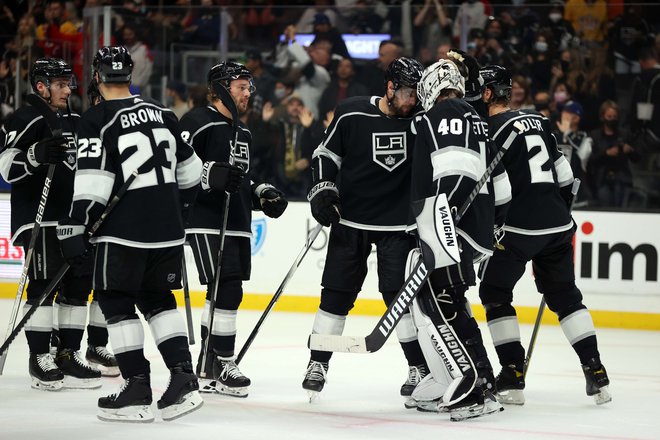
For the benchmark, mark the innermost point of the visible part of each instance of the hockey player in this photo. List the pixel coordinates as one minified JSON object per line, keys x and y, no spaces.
{"x":539,"y":229}
{"x":209,"y":130}
{"x":361,"y":187}
{"x":28,"y":149}
{"x":139,"y":245}
{"x":451,"y":155}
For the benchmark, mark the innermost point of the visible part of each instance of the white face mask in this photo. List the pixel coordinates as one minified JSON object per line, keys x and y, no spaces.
{"x":280,"y":93}
{"x":554,"y":17}
{"x":541,"y":46}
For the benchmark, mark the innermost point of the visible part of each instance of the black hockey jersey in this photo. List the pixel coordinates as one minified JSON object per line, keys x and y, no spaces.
{"x":369,"y":155}
{"x":116,"y":138}
{"x":536,"y":169}
{"x":211,"y":134}
{"x":22,"y":130}
{"x":452,"y":152}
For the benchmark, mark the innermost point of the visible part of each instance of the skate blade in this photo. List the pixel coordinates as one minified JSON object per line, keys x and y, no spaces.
{"x":410,"y":403}
{"x":56,"y":385}
{"x":430,"y":407}
{"x":240,"y":392}
{"x":207,"y":386}
{"x":129,"y":414}
{"x":314,"y":396}
{"x":511,"y":397}
{"x":190,"y":402}
{"x":105,"y":371}
{"x":77,"y":383}
{"x":603,"y":396}
{"x":474,"y":411}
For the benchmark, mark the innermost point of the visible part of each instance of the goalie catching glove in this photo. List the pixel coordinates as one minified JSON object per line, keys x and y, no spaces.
{"x":74,"y":242}
{"x":324,"y":201}
{"x":221,"y":176}
{"x":271,"y":200}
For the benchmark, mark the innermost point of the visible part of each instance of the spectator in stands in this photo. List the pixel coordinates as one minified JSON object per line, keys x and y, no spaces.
{"x":177,"y":98}
{"x":260,"y":22}
{"x":7,"y":84}
{"x":24,"y":43}
{"x":313,"y":77}
{"x":197,"y":96}
{"x":521,"y":98}
{"x":323,"y":30}
{"x":628,"y":34}
{"x":441,"y":51}
{"x":7,"y":24}
{"x":290,"y":157}
{"x":364,"y":19}
{"x":471,"y":14}
{"x":431,"y":28}
{"x":540,"y":62}
{"x":304,"y":25}
{"x":561,"y":94}
{"x":575,"y":144}
{"x":561,"y":29}
{"x":588,"y":18}
{"x":542,"y":103}
{"x":343,"y":85}
{"x":56,"y":32}
{"x":264,"y":81}
{"x":608,"y":167}
{"x":373,"y":74}
{"x":202,"y":25}
{"x":142,"y":59}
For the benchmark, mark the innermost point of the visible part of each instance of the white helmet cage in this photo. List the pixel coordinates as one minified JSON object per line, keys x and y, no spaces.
{"x":439,"y":76}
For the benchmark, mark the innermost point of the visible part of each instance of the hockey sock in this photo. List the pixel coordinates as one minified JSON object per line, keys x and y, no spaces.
{"x":38,"y":328}
{"x":578,"y":327}
{"x":407,"y":335}
{"x":223,"y":335}
{"x":71,"y":319}
{"x":326,"y":323}
{"x":505,"y":332}
{"x":97,"y":333}
{"x":169,"y":332}
{"x":127,"y":340}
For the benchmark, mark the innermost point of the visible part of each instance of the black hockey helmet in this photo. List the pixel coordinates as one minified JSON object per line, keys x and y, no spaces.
{"x":498,"y":79}
{"x":227,"y":71}
{"x":46,"y":69}
{"x":113,"y":64}
{"x":404,"y":72}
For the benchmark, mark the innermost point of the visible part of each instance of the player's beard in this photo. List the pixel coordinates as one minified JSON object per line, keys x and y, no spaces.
{"x":402,"y":111}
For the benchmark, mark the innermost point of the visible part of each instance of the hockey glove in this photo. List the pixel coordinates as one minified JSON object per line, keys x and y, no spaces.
{"x":74,"y":242}
{"x":220,"y":176}
{"x":50,"y":150}
{"x":324,"y":201}
{"x":272,"y":200}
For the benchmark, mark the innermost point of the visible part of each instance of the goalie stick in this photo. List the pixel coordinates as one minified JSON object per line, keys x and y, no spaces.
{"x":228,"y":102}
{"x":56,"y":130}
{"x":411,"y":286}
{"x":65,"y":267}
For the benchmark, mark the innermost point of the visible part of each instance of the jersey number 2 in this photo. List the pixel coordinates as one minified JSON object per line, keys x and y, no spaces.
{"x":536,"y":161}
{"x":143,"y":152}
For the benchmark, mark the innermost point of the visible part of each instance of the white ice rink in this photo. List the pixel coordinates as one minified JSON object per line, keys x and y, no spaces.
{"x":361,"y":398}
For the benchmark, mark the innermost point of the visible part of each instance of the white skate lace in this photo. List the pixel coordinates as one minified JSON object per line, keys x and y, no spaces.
{"x":316,"y":371}
{"x":103,"y":352}
{"x":114,"y":396}
{"x":415,"y":374}
{"x":46,"y":362}
{"x":77,"y":357}
{"x":230,"y":369}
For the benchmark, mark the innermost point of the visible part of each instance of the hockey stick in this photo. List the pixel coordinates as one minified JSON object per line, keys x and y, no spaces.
{"x":539,"y":314}
{"x":186,"y":299}
{"x":411,"y":286}
{"x":56,"y":130}
{"x":308,"y":244}
{"x":65,"y":267}
{"x":228,"y":102}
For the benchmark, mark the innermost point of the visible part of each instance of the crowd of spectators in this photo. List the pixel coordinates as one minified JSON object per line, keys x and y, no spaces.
{"x":591,"y":66}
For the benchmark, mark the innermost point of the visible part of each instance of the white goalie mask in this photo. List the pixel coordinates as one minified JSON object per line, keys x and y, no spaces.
{"x":439,"y":76}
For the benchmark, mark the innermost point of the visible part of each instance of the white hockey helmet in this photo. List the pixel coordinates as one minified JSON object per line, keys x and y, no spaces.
{"x":439,"y":76}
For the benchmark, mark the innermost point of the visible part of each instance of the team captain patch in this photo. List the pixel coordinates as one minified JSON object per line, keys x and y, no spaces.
{"x":389,"y":149}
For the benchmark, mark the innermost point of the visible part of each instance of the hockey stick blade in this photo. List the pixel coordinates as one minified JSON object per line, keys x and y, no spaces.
{"x":386,"y":325}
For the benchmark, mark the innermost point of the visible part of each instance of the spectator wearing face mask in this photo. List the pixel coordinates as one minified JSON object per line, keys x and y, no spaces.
{"x":608,"y":168}
{"x":562,"y":31}
{"x":540,"y":62}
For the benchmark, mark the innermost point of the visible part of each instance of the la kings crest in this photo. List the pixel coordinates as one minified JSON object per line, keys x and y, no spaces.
{"x":71,"y":152}
{"x":389,"y":149}
{"x":241,"y":153}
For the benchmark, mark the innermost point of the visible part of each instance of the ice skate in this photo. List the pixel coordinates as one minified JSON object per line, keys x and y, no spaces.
{"x":132,"y":403}
{"x":77,"y":374}
{"x":103,"y":360}
{"x":510,"y":384}
{"x":597,"y":381}
{"x":315,"y":378}
{"x":228,"y":378}
{"x":415,"y":374}
{"x":182,"y":394}
{"x":44,"y":372}
{"x":477,"y":404}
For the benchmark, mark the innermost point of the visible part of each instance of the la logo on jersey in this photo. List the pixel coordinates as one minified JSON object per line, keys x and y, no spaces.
{"x":389,"y":149}
{"x":241,"y":155}
{"x":71,"y":151}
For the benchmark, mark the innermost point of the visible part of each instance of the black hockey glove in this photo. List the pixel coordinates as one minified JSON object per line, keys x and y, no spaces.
{"x":50,"y":150}
{"x":220,"y":176}
{"x":272,"y":200}
{"x":74,"y":242}
{"x":324,"y":201}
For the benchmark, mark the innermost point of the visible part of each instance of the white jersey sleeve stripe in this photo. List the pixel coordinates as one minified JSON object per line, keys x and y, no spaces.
{"x":322,"y":151}
{"x":94,"y":185}
{"x":502,"y":189}
{"x":6,"y":161}
{"x":456,"y":161}
{"x":564,"y":172}
{"x":189,"y":172}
